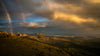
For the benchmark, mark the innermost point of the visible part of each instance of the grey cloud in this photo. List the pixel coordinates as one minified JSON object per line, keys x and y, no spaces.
{"x":74,"y":2}
{"x":89,"y":10}
{"x":92,"y":11}
{"x":35,"y":6}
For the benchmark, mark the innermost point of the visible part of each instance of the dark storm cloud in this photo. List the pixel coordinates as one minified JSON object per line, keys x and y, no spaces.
{"x":15,"y":7}
{"x":47,"y":9}
{"x":92,"y":10}
{"x":1,"y":10}
{"x":88,"y":9}
{"x":75,"y":2}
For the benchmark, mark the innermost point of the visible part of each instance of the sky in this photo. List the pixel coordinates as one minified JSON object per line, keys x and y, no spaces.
{"x":63,"y":17}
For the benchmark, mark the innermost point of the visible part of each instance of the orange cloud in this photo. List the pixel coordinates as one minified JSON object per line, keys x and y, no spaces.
{"x":73,"y":18}
{"x":93,"y":1}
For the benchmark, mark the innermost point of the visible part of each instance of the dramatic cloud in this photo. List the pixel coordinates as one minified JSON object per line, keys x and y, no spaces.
{"x":73,"y":16}
{"x":32,"y":24}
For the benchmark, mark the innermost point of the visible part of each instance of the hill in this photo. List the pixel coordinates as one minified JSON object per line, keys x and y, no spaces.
{"x":15,"y":46}
{"x":43,"y":45}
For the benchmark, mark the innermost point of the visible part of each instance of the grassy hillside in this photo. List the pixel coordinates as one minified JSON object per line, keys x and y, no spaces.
{"x":15,"y":46}
{"x":25,"y":47}
{"x":79,"y":47}
{"x":12,"y":45}
{"x":76,"y":46}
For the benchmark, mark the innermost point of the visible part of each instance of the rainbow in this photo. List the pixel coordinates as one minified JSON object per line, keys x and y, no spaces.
{"x":8,"y":16}
{"x":22,"y":13}
{"x":23,"y":17}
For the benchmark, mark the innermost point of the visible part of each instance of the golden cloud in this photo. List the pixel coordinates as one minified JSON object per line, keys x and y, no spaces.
{"x":73,"y":18}
{"x":93,"y":1}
